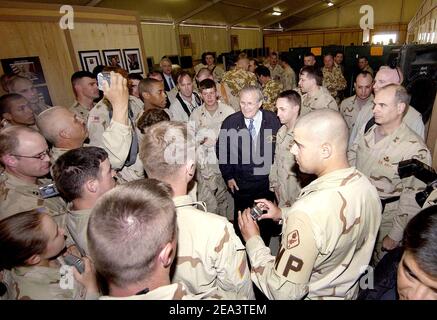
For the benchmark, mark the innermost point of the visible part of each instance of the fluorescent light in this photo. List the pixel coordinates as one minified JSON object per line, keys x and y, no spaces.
{"x":330,"y":4}
{"x":276,"y":13}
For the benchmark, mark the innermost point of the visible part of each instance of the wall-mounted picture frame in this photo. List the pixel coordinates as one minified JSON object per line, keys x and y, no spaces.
{"x":185,"y":40}
{"x":133,"y":60}
{"x":113,"y":58}
{"x":90,"y":59}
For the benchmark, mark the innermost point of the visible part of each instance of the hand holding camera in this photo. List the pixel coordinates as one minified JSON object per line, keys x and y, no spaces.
{"x":117,"y":92}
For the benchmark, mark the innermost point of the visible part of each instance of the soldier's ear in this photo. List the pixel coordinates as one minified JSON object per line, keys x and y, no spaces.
{"x":326,"y":150}
{"x":33,"y":260}
{"x":401,"y":107}
{"x":91,"y":185}
{"x":9,"y":160}
{"x":166,"y":255}
{"x":64,"y":133}
{"x":145,"y":95}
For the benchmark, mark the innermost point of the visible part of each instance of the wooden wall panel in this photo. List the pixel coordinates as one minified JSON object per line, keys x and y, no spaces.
{"x":159,"y":40}
{"x":248,"y":39}
{"x":47,"y":41}
{"x":332,"y":38}
{"x":271,"y":42}
{"x":315,"y":40}
{"x":299,"y":41}
{"x":284,"y":43}
{"x":347,"y":38}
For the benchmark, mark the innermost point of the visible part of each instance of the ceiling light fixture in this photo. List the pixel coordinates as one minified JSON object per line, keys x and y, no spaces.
{"x":330,"y":4}
{"x":276,"y":13}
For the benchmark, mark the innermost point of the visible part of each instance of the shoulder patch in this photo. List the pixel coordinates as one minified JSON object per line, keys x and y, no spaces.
{"x":293,"y":239}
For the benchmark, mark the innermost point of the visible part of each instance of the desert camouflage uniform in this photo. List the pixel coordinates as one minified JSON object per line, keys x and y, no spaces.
{"x":171,"y":95}
{"x":313,"y":263}
{"x":17,"y":195}
{"x":379,"y":161}
{"x":55,"y":153}
{"x":321,"y":100}
{"x":80,"y":110}
{"x":175,"y":291}
{"x":412,"y":119}
{"x":334,"y":81}
{"x":232,"y":83}
{"x":351,"y":107}
{"x":116,"y":138}
{"x":6,"y":280}
{"x":77,"y":224}
{"x":271,"y":91}
{"x":282,"y":177}
{"x":44,"y":283}
{"x":211,"y":186}
{"x":276,"y":73}
{"x":210,"y":255}
{"x":369,"y":69}
{"x":289,"y":79}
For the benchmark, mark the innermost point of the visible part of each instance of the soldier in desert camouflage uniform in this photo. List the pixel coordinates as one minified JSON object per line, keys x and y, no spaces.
{"x":289,"y":76}
{"x":275,"y":68}
{"x":282,"y":176}
{"x":106,"y":119}
{"x":363,"y":98}
{"x":314,"y":95}
{"x":133,"y":249}
{"x":207,"y":120}
{"x":377,"y":154}
{"x":333,"y":79}
{"x":235,"y":80}
{"x":86,"y":91}
{"x":313,"y":263}
{"x":24,"y":154}
{"x":270,"y":88}
{"x":36,"y":273}
{"x":209,"y":253}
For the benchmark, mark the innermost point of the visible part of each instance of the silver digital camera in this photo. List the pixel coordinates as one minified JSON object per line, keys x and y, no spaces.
{"x":256,"y":212}
{"x":103,"y":76}
{"x":48,"y":191}
{"x":76,"y":262}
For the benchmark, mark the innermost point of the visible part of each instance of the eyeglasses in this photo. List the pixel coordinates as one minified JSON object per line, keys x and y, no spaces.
{"x":39,"y":156}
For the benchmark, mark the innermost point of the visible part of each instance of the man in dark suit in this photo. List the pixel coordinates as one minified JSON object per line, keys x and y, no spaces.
{"x":166,"y":67}
{"x":245,"y":150}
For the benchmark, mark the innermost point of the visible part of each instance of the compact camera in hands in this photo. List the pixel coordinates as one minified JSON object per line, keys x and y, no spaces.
{"x":76,"y":262}
{"x":256,"y":212}
{"x":48,"y":191}
{"x":103,"y":76}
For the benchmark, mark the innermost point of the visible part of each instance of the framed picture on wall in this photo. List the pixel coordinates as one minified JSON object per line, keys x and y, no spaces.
{"x":90,"y":59}
{"x":133,"y":60}
{"x":185,"y":40}
{"x":113,"y":58}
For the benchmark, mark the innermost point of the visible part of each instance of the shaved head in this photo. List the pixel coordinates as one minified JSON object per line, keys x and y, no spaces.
{"x":320,"y":142}
{"x":325,"y":126}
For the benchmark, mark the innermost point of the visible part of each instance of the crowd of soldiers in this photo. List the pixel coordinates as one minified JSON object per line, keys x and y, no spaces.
{"x":144,"y":182}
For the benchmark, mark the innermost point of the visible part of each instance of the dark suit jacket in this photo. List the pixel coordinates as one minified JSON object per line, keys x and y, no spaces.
{"x":238,"y":146}
{"x":166,"y":86}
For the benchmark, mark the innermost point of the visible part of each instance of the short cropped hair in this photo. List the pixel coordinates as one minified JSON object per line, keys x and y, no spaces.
{"x":182,"y":75}
{"x":166,"y":147}
{"x":262,"y":71}
{"x":203,"y":57}
{"x":6,"y":100}
{"x":127,"y":229}
{"x":207,"y":84}
{"x":13,"y":80}
{"x":145,"y":85}
{"x":9,"y":138}
{"x":292,"y":96}
{"x":21,"y":237}
{"x":79,"y":75}
{"x":150,"y":117}
{"x":401,"y":94}
{"x":313,"y":73}
{"x":420,"y":238}
{"x":364,"y":74}
{"x":74,"y":168}
{"x":134,"y":76}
